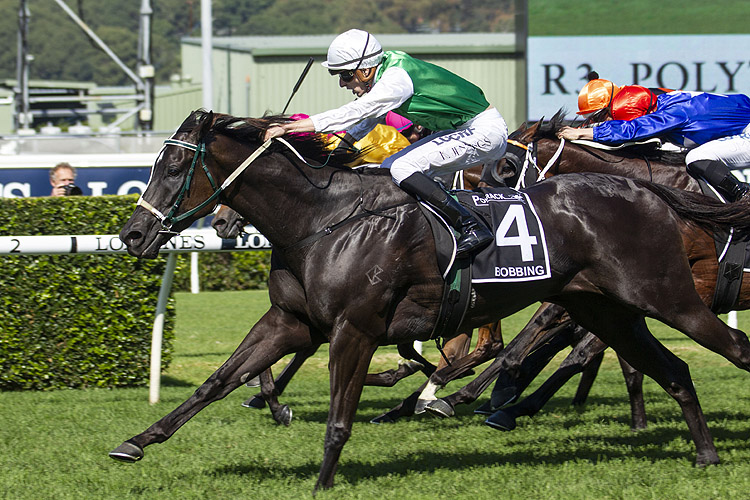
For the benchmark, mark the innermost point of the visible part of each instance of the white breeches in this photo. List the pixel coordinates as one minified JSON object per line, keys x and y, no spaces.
{"x":734,"y":151}
{"x":480,"y":140}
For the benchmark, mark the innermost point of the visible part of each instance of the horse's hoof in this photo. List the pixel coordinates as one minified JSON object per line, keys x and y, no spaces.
{"x":440,"y":408}
{"x":284,"y":416}
{"x":253,"y":382}
{"x":127,"y":452}
{"x":705,"y":459}
{"x":254,"y":402}
{"x":502,"y":397}
{"x":421,"y":405}
{"x":383,"y":419}
{"x":485,"y":409}
{"x":501,"y":421}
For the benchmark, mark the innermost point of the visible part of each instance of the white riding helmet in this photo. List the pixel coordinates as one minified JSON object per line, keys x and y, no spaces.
{"x":353,"y":50}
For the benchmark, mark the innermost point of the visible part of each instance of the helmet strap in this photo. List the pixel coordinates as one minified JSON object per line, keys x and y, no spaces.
{"x":367,"y":81}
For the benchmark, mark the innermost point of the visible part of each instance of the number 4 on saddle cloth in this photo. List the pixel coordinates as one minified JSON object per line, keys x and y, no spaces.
{"x":518,"y":254}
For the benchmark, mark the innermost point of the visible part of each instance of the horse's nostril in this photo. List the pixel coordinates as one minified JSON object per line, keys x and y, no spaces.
{"x":133,"y":236}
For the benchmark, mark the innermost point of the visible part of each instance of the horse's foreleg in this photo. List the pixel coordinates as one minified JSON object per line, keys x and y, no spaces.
{"x":509,"y":359}
{"x":276,"y":388}
{"x":489,"y":345}
{"x":276,"y":334}
{"x":455,"y":349}
{"x":389,"y":378}
{"x":350,"y":356}
{"x":588,"y":375}
{"x":521,"y":372}
{"x":634,"y":383}
{"x":407,"y":351}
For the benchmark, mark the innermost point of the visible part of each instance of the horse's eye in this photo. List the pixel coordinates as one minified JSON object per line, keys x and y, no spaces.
{"x":173,"y":170}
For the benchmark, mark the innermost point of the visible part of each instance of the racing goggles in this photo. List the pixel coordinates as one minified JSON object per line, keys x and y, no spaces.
{"x":346,"y":75}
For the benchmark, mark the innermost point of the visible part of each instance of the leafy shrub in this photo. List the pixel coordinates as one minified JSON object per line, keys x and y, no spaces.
{"x":76,"y":320}
{"x":86,"y":320}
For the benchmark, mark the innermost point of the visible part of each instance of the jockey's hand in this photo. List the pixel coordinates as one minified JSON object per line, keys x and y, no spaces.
{"x":274,"y":131}
{"x":571,"y":134}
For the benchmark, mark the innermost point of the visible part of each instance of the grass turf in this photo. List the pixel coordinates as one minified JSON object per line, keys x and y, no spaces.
{"x":55,"y":444}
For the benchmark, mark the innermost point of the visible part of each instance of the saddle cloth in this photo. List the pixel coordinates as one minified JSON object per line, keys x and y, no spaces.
{"x":520,"y":249}
{"x":519,"y":252}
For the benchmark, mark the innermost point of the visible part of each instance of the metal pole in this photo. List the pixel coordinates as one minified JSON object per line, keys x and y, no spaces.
{"x":145,"y":68}
{"x":206,"y":48}
{"x":158,"y":331}
{"x":23,"y":108}
{"x":101,"y":44}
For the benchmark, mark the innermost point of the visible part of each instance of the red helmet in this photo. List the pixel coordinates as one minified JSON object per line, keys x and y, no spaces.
{"x":596,"y":95}
{"x":633,"y":101}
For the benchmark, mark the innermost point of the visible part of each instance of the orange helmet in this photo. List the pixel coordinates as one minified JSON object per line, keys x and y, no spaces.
{"x":633,"y":101}
{"x":596,"y":95}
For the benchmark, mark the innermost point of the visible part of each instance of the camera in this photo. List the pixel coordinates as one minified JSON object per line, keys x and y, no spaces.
{"x":72,"y":190}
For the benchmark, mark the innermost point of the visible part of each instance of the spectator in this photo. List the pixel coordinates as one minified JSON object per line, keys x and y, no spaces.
{"x":62,"y":178}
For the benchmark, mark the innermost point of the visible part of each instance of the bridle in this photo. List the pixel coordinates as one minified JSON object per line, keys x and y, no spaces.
{"x":199,"y":156}
{"x":530,"y":159}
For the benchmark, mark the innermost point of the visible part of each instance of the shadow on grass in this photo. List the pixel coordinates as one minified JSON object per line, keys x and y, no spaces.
{"x":168,"y":381}
{"x":357,"y":471}
{"x":590,"y":448}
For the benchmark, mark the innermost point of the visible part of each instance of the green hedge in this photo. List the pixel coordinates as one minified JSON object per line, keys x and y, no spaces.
{"x":86,"y":320}
{"x":76,"y":320}
{"x":243,"y":270}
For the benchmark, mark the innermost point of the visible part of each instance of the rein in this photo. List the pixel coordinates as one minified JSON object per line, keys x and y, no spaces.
{"x":167,"y":221}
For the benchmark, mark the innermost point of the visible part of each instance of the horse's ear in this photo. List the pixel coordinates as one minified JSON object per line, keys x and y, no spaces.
{"x":533,"y":129}
{"x":206,"y":122}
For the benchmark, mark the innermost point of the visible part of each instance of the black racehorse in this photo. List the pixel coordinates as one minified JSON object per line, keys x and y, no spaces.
{"x":360,"y":268}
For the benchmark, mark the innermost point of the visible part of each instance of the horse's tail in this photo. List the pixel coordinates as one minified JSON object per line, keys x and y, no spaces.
{"x":707,"y":213}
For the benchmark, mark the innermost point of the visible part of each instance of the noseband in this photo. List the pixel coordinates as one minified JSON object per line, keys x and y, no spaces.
{"x":167,"y":221}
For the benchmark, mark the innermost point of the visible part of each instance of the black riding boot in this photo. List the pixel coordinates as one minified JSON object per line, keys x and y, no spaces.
{"x":719,"y":176}
{"x":474,"y":235}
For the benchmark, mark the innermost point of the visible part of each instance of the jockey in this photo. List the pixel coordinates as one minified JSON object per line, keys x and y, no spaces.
{"x":595,"y":96}
{"x":471,"y":131}
{"x":715,"y":127}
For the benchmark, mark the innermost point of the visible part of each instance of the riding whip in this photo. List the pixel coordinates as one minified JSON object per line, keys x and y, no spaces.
{"x":299,"y":82}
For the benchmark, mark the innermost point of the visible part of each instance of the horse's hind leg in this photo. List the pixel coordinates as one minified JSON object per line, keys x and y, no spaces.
{"x":626,"y":332}
{"x":587,"y":350}
{"x":276,"y":334}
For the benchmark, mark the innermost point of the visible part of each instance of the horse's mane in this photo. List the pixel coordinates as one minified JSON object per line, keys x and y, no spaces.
{"x":314,"y":147}
{"x":549,"y":129}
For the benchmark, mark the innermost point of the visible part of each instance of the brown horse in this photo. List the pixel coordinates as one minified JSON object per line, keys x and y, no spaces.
{"x":539,"y":146}
{"x":615,"y":246}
